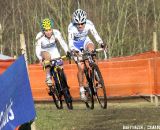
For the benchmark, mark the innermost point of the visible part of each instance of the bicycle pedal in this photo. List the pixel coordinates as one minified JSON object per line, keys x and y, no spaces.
{"x":64,"y":89}
{"x":98,"y":85}
{"x":86,"y":87}
{"x":50,"y":93}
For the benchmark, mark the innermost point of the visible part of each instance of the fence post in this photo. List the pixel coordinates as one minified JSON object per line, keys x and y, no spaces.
{"x":155,"y":48}
{"x":151,"y":98}
{"x":156,"y":101}
{"x":154,"y":98}
{"x":23,"y":48}
{"x":1,"y":46}
{"x":23,"y":51}
{"x":151,"y":78}
{"x":155,"y":42}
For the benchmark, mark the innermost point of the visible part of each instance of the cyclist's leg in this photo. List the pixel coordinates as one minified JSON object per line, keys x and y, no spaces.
{"x":80,"y":65}
{"x":80,"y":76}
{"x":89,"y":45}
{"x":47,"y":57}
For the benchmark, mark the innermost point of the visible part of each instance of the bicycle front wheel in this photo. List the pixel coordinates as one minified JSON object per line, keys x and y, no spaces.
{"x":99,"y":87}
{"x":65,"y":89}
{"x":89,"y":90}
{"x":90,"y":100}
{"x":57,"y":98}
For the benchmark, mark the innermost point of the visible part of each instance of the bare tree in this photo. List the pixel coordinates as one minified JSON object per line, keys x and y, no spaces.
{"x":127,"y":26}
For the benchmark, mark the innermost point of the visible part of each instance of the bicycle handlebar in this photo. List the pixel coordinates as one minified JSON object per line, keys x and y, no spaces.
{"x":62,"y":57}
{"x":96,"y":50}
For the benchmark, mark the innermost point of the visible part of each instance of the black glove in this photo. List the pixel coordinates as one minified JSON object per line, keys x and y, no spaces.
{"x":103,"y":45}
{"x":68,"y":54}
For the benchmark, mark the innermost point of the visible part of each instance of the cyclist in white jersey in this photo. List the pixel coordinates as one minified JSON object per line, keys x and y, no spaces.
{"x":78,"y":31}
{"x":46,"y":45}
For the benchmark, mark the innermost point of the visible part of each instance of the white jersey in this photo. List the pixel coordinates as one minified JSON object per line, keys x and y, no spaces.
{"x":49,"y":45}
{"x":75,"y":35}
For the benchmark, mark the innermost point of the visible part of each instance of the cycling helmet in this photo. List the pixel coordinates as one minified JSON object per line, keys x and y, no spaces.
{"x":79,"y":16}
{"x":47,"y":24}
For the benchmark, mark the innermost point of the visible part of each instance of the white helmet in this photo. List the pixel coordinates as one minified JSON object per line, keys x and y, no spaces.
{"x":79,"y":16}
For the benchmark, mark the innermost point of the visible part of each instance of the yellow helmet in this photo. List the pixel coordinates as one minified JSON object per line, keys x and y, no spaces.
{"x":47,"y":24}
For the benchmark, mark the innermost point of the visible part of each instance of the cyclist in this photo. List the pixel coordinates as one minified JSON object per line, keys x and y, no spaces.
{"x":78,"y":38}
{"x":46,"y":45}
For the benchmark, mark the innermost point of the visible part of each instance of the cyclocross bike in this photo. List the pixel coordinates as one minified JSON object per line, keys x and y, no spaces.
{"x":60,"y":90}
{"x":95,"y":83}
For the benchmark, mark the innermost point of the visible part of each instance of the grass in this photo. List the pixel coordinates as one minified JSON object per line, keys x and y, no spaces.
{"x":118,"y":116}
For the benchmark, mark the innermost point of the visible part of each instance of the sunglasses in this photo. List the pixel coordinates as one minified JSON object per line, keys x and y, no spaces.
{"x":46,"y":30}
{"x":78,"y":24}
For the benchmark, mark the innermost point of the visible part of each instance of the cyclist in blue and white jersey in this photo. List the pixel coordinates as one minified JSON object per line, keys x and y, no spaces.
{"x":78,"y":38}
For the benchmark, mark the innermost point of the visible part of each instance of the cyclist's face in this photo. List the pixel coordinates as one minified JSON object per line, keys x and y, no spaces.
{"x":80,"y":26}
{"x":48,"y":33}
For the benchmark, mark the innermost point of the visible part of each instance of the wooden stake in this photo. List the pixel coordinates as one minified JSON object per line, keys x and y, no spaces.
{"x":155,"y":42}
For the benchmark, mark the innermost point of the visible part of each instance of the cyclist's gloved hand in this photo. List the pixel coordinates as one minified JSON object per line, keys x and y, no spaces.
{"x":68,"y":54}
{"x":103,"y":45}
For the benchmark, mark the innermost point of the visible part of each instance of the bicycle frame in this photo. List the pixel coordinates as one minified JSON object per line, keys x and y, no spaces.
{"x":61,"y":88}
{"x":54,"y":73}
{"x":88,"y":62}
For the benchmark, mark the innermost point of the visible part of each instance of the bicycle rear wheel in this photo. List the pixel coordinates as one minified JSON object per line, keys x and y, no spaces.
{"x":99,"y":87}
{"x":65,"y":89}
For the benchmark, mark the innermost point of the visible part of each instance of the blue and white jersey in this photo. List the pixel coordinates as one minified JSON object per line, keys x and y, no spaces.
{"x":49,"y":45}
{"x":76,"y":36}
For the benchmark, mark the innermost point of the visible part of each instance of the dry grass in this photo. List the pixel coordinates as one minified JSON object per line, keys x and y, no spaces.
{"x":119,"y":114}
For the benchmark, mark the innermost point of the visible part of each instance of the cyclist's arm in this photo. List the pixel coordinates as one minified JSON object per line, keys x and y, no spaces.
{"x":38,"y":45}
{"x":59,"y":37}
{"x":95,"y":33}
{"x":38,"y":50}
{"x":71,"y":38}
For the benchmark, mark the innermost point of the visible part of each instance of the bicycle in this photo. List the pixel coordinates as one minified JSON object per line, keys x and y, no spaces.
{"x":95,"y":83}
{"x":60,"y":88}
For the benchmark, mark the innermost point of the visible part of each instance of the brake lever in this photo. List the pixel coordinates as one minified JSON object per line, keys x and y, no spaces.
{"x":106,"y":55}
